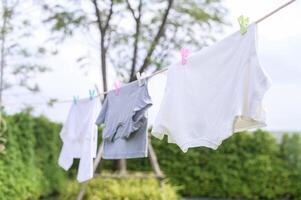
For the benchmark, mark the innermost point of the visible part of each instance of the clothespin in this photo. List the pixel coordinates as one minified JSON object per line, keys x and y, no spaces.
{"x":184,"y":56}
{"x":117,"y":87}
{"x":243,"y":23}
{"x":92,"y":94}
{"x":140,"y":78}
{"x":75,"y":99}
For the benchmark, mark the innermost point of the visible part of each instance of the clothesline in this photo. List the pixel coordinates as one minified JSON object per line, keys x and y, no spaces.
{"x":274,"y":11}
{"x":165,"y":69}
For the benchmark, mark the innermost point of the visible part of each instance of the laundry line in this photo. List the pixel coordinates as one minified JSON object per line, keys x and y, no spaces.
{"x":54,"y":101}
{"x":157,"y":72}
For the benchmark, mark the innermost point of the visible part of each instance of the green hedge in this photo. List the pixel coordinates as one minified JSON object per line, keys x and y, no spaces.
{"x":28,"y":167}
{"x":246,"y":166}
{"x":2,"y":130}
{"x":123,"y":189}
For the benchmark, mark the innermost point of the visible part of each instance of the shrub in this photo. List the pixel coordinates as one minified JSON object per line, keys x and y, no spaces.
{"x":123,"y":189}
{"x":246,"y":166}
{"x":28,"y":168}
{"x":3,"y":126}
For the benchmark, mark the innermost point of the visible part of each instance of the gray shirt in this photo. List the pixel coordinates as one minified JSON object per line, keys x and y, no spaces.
{"x":124,"y":116}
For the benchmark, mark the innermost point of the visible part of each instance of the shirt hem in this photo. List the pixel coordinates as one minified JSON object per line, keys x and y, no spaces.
{"x":202,"y":142}
{"x":256,"y":126}
{"x":125,"y":156}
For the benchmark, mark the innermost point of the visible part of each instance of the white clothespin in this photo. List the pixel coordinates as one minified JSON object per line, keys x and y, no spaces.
{"x":140,"y":78}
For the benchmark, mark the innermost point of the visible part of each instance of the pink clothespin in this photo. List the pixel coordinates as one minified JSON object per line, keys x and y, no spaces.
{"x":117,"y":87}
{"x":184,"y":55}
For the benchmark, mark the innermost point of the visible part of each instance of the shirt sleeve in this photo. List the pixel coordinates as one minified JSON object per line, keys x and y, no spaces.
{"x":102,"y":115}
{"x":85,"y":168}
{"x":66,"y":157}
{"x":259,"y":83}
{"x":143,"y":102}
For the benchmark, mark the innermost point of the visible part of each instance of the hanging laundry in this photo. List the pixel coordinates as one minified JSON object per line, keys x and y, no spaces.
{"x":156,"y":86}
{"x":79,"y":136}
{"x":124,"y":115}
{"x":219,"y":91}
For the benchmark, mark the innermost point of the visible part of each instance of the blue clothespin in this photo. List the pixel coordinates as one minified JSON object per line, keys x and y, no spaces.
{"x":92,"y":94}
{"x":243,"y":23}
{"x":75,"y":99}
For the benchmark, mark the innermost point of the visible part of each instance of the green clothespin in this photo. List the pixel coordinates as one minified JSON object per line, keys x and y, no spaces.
{"x":243,"y":23}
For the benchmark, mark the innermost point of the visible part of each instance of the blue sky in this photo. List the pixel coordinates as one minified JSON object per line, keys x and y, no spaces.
{"x":279,"y":52}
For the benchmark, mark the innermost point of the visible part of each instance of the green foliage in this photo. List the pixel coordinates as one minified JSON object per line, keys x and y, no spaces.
{"x":123,"y":189}
{"x":189,"y":23}
{"x":28,"y":169}
{"x":19,"y":47}
{"x":66,"y":21}
{"x":247,"y":165}
{"x":3,"y":127}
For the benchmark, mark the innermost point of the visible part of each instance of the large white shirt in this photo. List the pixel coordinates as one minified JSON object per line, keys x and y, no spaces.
{"x":79,"y":136}
{"x":156,"y":86}
{"x":219,"y":91}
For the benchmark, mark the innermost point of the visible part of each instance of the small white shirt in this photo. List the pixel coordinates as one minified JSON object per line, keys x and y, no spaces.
{"x":79,"y":136}
{"x":219,"y":91}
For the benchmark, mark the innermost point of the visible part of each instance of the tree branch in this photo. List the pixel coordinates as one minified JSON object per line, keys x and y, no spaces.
{"x":102,"y":28}
{"x":154,"y":43}
{"x":98,"y":17}
{"x":109,"y":16}
{"x":131,"y":9}
{"x":165,"y":47}
{"x":103,"y":47}
{"x":136,"y":36}
{"x":107,"y":26}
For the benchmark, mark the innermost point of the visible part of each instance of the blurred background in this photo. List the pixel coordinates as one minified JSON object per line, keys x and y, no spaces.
{"x":54,"y":50}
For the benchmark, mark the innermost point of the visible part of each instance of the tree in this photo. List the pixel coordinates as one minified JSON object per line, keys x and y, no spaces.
{"x":18,"y":58}
{"x":137,"y":36}
{"x":17,"y":66}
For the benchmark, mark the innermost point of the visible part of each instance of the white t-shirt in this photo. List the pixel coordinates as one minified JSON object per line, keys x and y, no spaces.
{"x":79,"y":136}
{"x":219,"y":91}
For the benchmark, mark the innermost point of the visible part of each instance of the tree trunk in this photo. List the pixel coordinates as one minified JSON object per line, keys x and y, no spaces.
{"x":103,"y":64}
{"x":121,"y":166}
